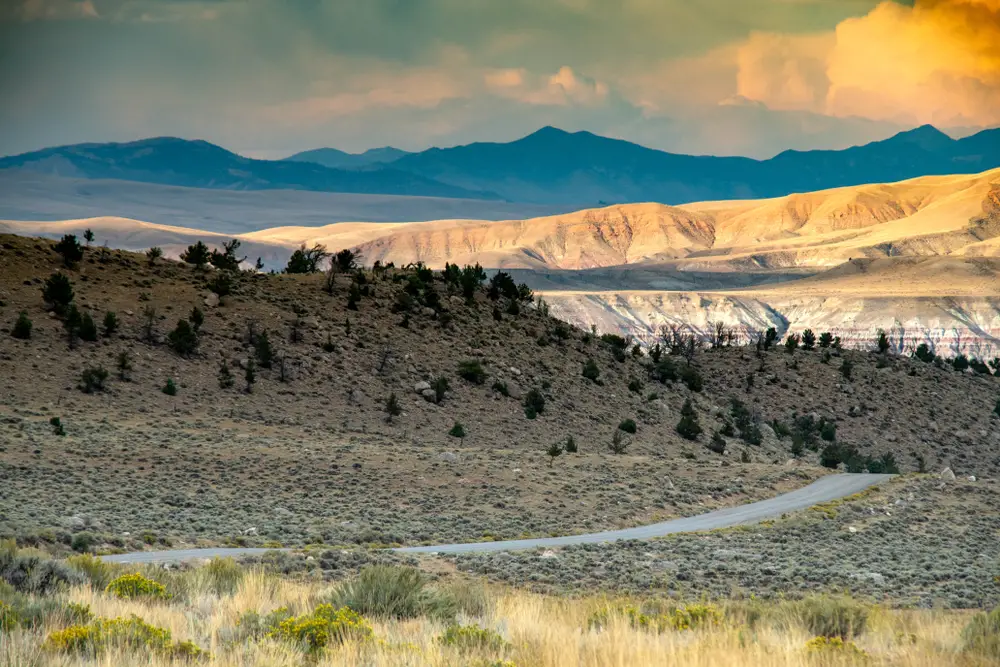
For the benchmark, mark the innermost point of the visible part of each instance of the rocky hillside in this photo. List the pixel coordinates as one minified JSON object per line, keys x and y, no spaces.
{"x":912,"y":258}
{"x":395,"y":409}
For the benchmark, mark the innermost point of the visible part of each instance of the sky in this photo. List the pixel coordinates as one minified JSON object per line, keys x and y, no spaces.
{"x":268,"y":78}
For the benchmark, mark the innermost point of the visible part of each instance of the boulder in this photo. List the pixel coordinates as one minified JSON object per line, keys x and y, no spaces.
{"x":212,"y":300}
{"x":448,"y":457}
{"x":429,"y":395}
{"x":947,"y":474}
{"x":421,"y":387}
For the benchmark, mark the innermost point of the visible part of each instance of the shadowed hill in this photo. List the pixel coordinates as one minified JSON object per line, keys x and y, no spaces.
{"x":172,"y":161}
{"x":553,"y":166}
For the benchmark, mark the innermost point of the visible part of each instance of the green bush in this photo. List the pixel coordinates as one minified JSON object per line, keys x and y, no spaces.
{"x":196,"y":254}
{"x":38,"y":610}
{"x":22,"y":327}
{"x":183,"y":339}
{"x":222,"y":575}
{"x":688,"y":427}
{"x":83,"y":542}
{"x":619,"y":443}
{"x":501,"y":388}
{"x":627,"y":425}
{"x":440,"y":387}
{"x":828,"y":430}
{"x":692,"y":378}
{"x":134,"y":586}
{"x":110,"y":323}
{"x":384,"y":591}
{"x":222,"y":284}
{"x":92,"y":379}
{"x":591,"y":371}
{"x":96,"y":570}
{"x":170,"y":388}
{"x":982,"y":635}
{"x":832,"y":616}
{"x":32,"y":573}
{"x":263,"y":351}
{"x":570,"y":446}
{"x":196,"y":318}
{"x":663,"y":371}
{"x":882,"y":342}
{"x":687,"y":617}
{"x":534,"y":404}
{"x":473,"y":638}
{"x":132,"y":633}
{"x":457,"y":431}
{"x":471,"y":598}
{"x":808,"y":339}
{"x":326,"y":625}
{"x":392,"y":407}
{"x":58,"y":291}
{"x":70,"y":249}
{"x":472,"y":371}
{"x":88,"y":328}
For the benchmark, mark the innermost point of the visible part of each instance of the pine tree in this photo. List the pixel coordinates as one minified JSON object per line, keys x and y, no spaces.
{"x":226,"y":379}
{"x":688,"y":427}
{"x":251,"y":374}
{"x":554,"y":450}
{"x":392,"y":407}
{"x":110,"y":323}
{"x":22,"y":327}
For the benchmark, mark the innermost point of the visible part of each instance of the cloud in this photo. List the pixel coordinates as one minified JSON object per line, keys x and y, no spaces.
{"x":785,"y":71}
{"x":379,"y":87}
{"x":710,"y":76}
{"x":563,"y":88}
{"x":41,"y":10}
{"x":935,"y":62}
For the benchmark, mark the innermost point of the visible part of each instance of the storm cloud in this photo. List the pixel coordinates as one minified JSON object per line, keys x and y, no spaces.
{"x":710,"y":76}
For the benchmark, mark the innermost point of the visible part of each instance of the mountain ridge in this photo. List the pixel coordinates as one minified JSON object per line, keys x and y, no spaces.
{"x":198,"y":163}
{"x":552,"y":167}
{"x":338,"y":159}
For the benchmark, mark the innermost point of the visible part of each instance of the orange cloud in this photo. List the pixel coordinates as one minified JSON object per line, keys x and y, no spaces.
{"x":785,"y":71}
{"x":936,"y":62}
{"x":563,"y":88}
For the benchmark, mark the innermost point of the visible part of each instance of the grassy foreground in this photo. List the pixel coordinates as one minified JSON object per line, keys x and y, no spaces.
{"x":88,"y":613}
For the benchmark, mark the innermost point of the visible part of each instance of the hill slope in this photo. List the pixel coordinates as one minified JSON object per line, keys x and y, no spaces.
{"x":931,"y":215}
{"x":314,"y":436}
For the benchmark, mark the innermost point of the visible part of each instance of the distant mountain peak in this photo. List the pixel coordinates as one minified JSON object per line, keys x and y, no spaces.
{"x":927,"y":137}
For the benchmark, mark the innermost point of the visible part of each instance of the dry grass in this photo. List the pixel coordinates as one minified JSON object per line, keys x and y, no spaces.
{"x":541,"y":631}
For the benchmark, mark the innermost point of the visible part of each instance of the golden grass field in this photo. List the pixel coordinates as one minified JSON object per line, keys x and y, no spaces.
{"x":210,"y":607}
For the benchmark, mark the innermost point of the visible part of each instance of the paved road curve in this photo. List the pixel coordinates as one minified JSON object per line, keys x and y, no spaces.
{"x":831,"y":487}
